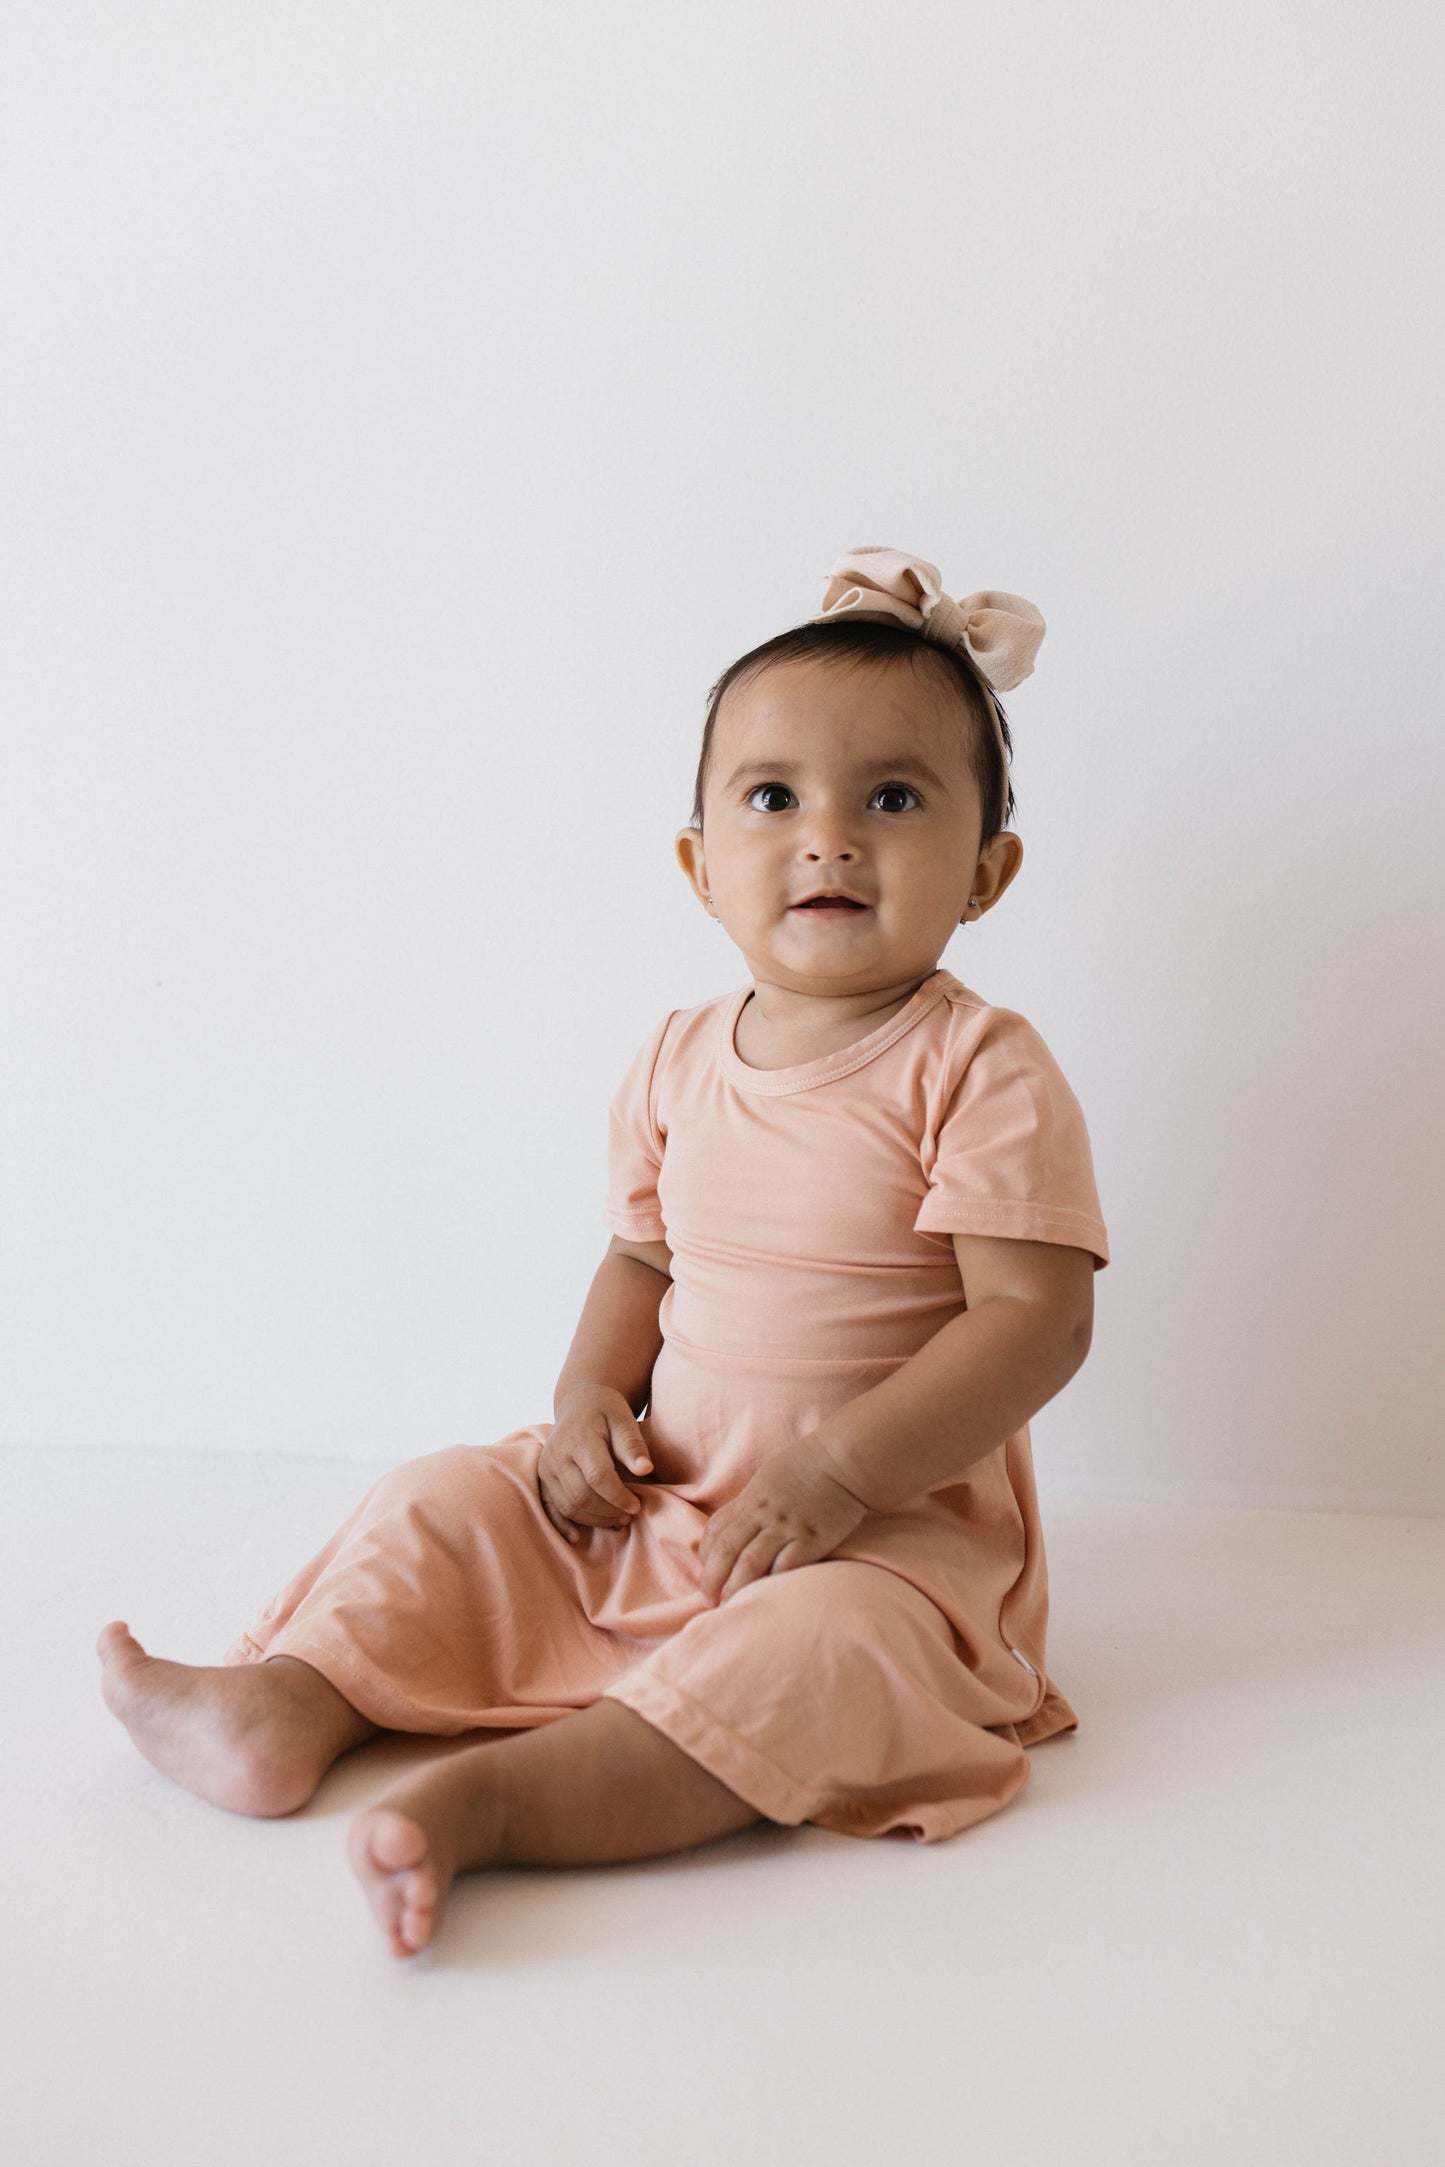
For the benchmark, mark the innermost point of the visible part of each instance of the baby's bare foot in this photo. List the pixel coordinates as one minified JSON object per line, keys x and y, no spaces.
{"x":253,"y":1737}
{"x":409,"y":1847}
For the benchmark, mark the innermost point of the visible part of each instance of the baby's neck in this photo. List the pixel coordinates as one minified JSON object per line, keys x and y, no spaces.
{"x":777,"y":1028}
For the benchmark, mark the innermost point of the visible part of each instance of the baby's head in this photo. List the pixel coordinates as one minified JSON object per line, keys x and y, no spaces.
{"x":851,"y":755}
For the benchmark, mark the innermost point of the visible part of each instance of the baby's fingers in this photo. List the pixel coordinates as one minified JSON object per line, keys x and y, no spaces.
{"x":563,"y":1526}
{"x":717,"y":1552}
{"x":629,"y":1444}
{"x":604,"y":1487}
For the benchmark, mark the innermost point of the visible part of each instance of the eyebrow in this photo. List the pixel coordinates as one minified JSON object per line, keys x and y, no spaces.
{"x":897,"y":763}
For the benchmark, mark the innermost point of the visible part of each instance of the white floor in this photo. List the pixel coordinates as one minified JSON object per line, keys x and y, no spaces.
{"x":1210,"y":1929}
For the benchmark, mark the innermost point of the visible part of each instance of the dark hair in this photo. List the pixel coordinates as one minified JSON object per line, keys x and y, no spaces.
{"x":857,"y":641}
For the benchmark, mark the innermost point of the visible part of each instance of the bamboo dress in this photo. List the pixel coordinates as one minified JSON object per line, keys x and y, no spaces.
{"x":892,"y":1685}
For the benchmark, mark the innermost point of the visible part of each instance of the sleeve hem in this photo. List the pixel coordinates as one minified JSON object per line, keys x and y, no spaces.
{"x":645,"y":1225}
{"x":1016,"y":1220}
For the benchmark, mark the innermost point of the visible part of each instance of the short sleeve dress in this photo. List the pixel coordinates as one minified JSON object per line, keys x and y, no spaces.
{"x":809,"y":1210}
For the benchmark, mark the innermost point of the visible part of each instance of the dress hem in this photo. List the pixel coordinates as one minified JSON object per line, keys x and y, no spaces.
{"x":776,"y":1795}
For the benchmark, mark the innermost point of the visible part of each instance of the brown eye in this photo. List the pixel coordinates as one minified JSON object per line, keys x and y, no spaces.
{"x":759,"y":787}
{"x":885,"y":789}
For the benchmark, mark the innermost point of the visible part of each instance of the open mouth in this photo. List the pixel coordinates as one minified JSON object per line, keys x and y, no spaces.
{"x":824,"y":904}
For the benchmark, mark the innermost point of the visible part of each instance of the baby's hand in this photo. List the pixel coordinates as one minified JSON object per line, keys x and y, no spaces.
{"x":577,"y":1475}
{"x":793,"y":1512}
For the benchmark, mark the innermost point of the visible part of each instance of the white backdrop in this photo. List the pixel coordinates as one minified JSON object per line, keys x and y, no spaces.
{"x":409,"y":410}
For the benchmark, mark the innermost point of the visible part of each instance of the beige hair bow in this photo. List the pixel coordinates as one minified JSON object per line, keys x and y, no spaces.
{"x":1000,"y":633}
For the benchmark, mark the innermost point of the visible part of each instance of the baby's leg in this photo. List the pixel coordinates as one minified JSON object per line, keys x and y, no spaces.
{"x":588,"y":1789}
{"x":255,"y":1737}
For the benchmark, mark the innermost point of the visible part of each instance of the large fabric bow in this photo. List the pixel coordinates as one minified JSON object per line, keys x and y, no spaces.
{"x":999,"y":632}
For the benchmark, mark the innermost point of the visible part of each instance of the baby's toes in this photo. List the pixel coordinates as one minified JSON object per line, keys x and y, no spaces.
{"x":123,"y":1662}
{"x":388,"y":1854}
{"x":418,"y":1912}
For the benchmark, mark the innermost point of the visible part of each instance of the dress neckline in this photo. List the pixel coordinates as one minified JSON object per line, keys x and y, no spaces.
{"x":802,"y":1075}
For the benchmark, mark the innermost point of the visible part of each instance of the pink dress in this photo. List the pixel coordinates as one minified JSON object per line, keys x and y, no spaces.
{"x":892,"y":1685}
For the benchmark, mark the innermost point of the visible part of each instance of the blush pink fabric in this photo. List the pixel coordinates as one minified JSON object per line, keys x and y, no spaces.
{"x":809,"y":1210}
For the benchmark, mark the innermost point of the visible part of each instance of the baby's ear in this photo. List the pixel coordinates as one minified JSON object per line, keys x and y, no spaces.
{"x":687,"y":846}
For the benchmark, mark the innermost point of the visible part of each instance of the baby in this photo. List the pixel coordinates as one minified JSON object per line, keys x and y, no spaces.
{"x":777,"y":1556}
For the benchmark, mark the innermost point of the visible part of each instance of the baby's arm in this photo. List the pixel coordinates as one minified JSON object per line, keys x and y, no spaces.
{"x":618,"y":1337}
{"x":1026,"y":1330}
{"x":604,"y":1385}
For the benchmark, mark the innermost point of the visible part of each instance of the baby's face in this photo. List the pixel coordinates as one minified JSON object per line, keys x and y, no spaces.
{"x":822,"y":778}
